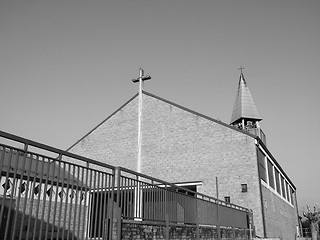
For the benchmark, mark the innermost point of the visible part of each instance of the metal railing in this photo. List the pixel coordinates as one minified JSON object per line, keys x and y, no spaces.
{"x":147,"y":199}
{"x":66,"y":196}
{"x":52,"y":197}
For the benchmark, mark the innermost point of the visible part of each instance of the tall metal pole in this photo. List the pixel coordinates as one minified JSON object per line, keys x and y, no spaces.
{"x":138,"y":190}
{"x":139,"y":120}
{"x":218,"y":216}
{"x":140,"y":79}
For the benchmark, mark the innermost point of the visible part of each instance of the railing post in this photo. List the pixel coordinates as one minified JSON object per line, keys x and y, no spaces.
{"x":234,"y":233}
{"x":118,"y":204}
{"x":110,"y":202}
{"x":218,"y":216}
{"x":166,"y":215}
{"x":167,"y":227}
{"x":197,"y":219}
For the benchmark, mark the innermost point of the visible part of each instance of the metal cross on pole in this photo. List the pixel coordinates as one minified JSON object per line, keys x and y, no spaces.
{"x":140,"y":79}
{"x":138,"y":191}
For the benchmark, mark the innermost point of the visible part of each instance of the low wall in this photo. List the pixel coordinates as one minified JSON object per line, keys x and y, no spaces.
{"x":157,"y":231}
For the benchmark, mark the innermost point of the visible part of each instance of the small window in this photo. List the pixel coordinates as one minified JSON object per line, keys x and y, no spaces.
{"x":227,"y":199}
{"x":244,"y":187}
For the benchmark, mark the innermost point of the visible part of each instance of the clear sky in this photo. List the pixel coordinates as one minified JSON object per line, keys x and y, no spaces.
{"x":65,"y":65}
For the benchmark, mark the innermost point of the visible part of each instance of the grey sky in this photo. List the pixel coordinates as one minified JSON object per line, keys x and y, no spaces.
{"x":66,"y":65}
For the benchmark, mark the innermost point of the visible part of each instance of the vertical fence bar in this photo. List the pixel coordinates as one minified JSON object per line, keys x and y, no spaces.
{"x":65,"y":212}
{"x":49,"y":184}
{"x":15,"y":169}
{"x":69,"y":197}
{"x":60,"y":194}
{"x":39,"y":199}
{"x":94,"y":203}
{"x":218,"y":216}
{"x":80,"y":191}
{"x":75,"y":197}
{"x":50,"y":197}
{"x":19,"y":195}
{"x":101,"y":208}
{"x":7,"y":182}
{"x":118,"y":209}
{"x":104,"y":219}
{"x":122,"y":191}
{"x":197,"y":220}
{"x":75,"y":201}
{"x":89,"y":198}
{"x":34,"y":184}
{"x":1,"y":169}
{"x":56,"y":194}
{"x":111,"y":206}
{"x":124,"y":197}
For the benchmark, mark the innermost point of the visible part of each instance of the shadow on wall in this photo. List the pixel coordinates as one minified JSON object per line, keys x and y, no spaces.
{"x":31,"y":228}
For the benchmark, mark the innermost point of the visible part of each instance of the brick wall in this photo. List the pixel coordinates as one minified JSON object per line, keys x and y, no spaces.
{"x":178,"y":146}
{"x":142,"y":230}
{"x":281,"y":217}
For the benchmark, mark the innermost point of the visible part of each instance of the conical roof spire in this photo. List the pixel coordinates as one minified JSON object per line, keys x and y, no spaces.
{"x":244,"y":106}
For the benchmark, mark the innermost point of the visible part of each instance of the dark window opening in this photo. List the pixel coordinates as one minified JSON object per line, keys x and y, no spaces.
{"x":227,"y":199}
{"x":277,"y":181}
{"x":270,"y":174}
{"x":283,"y":187}
{"x":291,"y":196}
{"x":288,"y":193}
{"x":262,"y":165}
{"x":244,"y":187}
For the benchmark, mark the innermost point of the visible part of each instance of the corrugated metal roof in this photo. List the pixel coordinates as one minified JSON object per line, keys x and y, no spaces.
{"x":244,"y":106}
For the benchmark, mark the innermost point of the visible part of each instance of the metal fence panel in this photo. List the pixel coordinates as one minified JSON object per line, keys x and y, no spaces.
{"x":65,"y":196}
{"x":53,"y":198}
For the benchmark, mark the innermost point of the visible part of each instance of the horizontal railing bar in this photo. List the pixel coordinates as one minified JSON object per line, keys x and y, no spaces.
{"x":182,"y":188}
{"x":52,"y":149}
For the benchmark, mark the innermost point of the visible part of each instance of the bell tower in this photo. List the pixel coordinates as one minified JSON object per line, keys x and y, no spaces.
{"x":245,"y":114}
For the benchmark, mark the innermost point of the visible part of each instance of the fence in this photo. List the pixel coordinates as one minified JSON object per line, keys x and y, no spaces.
{"x":47,"y":193}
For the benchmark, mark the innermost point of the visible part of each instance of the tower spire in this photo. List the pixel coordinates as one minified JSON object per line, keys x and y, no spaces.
{"x":245,"y":110}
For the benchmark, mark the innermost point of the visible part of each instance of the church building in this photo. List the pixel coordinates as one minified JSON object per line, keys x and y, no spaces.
{"x":185,"y":147}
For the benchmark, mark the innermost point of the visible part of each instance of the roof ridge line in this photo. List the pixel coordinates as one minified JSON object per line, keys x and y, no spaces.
{"x":122,"y":106}
{"x":199,"y":114}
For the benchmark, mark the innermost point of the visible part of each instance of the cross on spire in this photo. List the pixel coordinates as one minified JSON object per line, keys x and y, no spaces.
{"x":241,"y":68}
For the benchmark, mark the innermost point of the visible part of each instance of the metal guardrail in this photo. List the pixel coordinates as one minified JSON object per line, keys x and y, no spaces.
{"x":158,"y":197}
{"x":45,"y":197}
{"x":66,"y":196}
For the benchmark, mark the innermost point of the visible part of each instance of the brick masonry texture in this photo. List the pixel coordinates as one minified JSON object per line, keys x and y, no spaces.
{"x":280,"y":220}
{"x":130,"y":230}
{"x":180,"y":146}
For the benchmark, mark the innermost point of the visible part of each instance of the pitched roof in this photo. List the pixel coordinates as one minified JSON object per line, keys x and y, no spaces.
{"x":168,"y":102}
{"x":244,"y":106}
{"x":193,"y":112}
